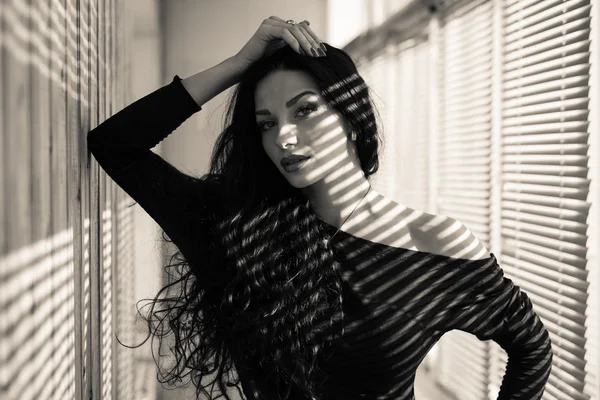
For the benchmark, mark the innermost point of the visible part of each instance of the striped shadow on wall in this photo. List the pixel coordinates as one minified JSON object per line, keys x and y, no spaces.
{"x":66,"y":239}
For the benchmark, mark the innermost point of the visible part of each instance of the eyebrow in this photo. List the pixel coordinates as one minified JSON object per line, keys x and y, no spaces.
{"x":290,"y":102}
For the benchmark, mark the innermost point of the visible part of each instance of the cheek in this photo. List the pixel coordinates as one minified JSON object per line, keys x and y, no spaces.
{"x":268,"y":149}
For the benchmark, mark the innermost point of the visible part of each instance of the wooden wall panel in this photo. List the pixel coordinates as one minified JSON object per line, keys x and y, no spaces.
{"x":39,"y":97}
{"x":3,"y":133}
{"x":61,"y":284}
{"x":63,"y":258}
{"x":17,"y":121}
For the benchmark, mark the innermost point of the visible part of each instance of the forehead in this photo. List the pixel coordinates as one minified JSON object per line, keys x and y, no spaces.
{"x":279,"y":86}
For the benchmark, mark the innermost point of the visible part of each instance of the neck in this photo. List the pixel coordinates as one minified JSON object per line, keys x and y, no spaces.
{"x":334,"y":203}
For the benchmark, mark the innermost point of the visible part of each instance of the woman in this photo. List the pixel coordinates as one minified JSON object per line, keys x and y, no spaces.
{"x":259,"y":282}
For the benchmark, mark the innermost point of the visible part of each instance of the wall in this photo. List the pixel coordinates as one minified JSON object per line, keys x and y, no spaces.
{"x":67,"y":231}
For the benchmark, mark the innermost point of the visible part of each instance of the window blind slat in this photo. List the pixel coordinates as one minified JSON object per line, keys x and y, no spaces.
{"x":553,"y":78}
{"x":520,"y":102}
{"x":538,"y":214}
{"x":520,"y":73}
{"x":464,"y":204}
{"x":531,"y":252}
{"x":547,"y":118}
{"x":572,"y":304}
{"x":569,"y":209}
{"x":563,"y":149}
{"x":547,"y":190}
{"x":567,"y":126}
{"x":521,"y":96}
{"x":568,"y":387}
{"x":564,"y":137}
{"x":562,"y":234}
{"x":559,"y":159}
{"x":550,"y":170}
{"x":540,"y":240}
{"x":563,"y":181}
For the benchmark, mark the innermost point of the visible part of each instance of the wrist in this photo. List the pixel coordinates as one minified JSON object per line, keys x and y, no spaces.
{"x":237,"y":63}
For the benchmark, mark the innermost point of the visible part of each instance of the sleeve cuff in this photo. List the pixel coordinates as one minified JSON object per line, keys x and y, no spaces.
{"x":177,"y":81}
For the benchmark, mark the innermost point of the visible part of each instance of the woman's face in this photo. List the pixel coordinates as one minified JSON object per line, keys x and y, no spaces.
{"x":293,"y":118}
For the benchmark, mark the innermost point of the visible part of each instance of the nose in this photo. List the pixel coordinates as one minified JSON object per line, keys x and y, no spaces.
{"x":287,"y":134}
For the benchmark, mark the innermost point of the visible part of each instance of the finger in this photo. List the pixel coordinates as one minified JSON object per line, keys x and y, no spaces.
{"x":312,"y":34}
{"x":276,"y":18}
{"x":301,"y":38}
{"x":290,"y":39}
{"x":315,"y":43}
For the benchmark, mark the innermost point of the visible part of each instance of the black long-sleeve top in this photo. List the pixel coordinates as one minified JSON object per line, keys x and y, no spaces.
{"x":397,"y":302}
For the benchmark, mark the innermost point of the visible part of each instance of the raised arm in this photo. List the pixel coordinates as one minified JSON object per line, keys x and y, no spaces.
{"x":121,"y":145}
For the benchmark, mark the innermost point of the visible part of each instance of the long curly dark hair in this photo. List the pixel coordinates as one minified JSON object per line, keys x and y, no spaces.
{"x":270,"y":300}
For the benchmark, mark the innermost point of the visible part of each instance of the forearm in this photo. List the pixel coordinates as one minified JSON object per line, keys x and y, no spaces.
{"x":205,"y":85}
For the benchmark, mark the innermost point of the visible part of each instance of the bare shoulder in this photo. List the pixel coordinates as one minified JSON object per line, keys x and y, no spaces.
{"x":441,"y":234}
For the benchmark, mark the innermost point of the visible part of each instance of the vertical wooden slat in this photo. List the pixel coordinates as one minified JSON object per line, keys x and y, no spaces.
{"x":73,"y":192}
{"x":40,"y":143}
{"x":120,"y":372}
{"x":17,"y":116}
{"x":18,"y":168}
{"x":92,"y":218}
{"x":107,"y":268}
{"x":96,"y":175}
{"x":88,"y":212}
{"x":106,"y":300}
{"x":4,"y":232}
{"x":4,"y":210}
{"x":108,"y":271}
{"x":58,"y":115}
{"x":108,"y":65}
{"x":112,"y":20}
{"x":41,"y":228}
{"x":67,"y":331}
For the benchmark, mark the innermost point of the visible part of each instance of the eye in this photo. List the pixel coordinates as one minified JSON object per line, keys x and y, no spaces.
{"x":303,"y":108}
{"x":309,"y":107}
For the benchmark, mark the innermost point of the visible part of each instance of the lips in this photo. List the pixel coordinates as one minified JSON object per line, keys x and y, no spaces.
{"x":292,"y":159}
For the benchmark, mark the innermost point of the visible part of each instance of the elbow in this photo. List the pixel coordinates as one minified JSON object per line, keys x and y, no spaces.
{"x":91,"y":140}
{"x":535,"y":347}
{"x":537,"y":352}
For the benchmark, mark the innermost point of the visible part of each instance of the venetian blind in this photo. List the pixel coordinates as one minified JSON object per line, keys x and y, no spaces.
{"x":463,"y":165}
{"x":545,"y":90}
